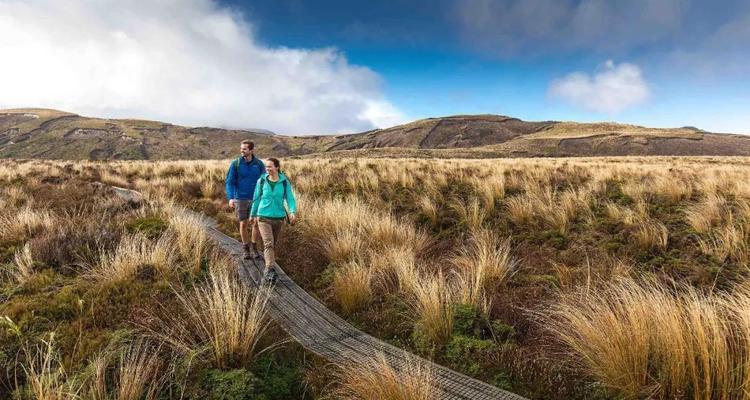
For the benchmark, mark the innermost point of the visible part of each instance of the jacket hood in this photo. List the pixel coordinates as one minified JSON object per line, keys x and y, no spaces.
{"x":282,"y":177}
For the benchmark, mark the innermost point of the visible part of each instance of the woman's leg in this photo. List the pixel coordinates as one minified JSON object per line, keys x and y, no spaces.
{"x":267,"y":236}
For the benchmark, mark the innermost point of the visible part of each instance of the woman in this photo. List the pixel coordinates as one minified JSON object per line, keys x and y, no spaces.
{"x":272,"y":189}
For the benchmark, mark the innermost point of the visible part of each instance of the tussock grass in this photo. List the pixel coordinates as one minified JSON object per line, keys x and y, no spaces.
{"x":134,"y":251}
{"x":482,"y":265}
{"x":651,"y":234}
{"x":376,"y":378}
{"x":352,"y":286}
{"x":222,"y":321}
{"x":619,"y":213}
{"x":342,"y":246}
{"x":707,"y":213}
{"x":24,"y":223}
{"x":22,"y":267}
{"x":728,"y":242}
{"x":396,"y":267}
{"x":520,"y":209}
{"x":45,"y":375}
{"x":472,"y":213}
{"x":643,"y":339}
{"x":429,"y":209}
{"x":431,"y":300}
{"x":138,"y":372}
{"x":190,"y":238}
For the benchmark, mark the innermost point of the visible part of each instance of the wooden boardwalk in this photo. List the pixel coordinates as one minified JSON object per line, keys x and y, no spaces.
{"x":324,"y":333}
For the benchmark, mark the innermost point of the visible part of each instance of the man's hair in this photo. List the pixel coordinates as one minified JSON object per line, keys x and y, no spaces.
{"x":249,"y":144}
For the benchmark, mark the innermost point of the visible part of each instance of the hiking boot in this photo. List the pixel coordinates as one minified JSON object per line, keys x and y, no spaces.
{"x":246,"y":253}
{"x":270,"y":276}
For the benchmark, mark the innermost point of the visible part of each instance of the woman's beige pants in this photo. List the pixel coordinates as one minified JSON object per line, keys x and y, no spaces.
{"x":270,"y":230}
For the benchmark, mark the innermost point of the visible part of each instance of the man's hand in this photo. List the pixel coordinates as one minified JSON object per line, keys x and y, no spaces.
{"x":232,"y":203}
{"x":292,"y":219}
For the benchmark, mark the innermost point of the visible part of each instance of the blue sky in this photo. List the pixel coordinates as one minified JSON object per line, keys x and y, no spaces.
{"x":440,"y":58}
{"x":331,"y":66}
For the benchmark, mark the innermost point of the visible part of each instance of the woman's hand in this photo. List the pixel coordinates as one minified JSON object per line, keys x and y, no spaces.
{"x":292,"y":218}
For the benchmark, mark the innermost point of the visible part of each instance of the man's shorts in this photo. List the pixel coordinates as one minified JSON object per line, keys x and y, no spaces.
{"x":242,"y":208}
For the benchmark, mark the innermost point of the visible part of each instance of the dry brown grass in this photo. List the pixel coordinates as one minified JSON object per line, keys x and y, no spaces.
{"x":221,"y":321}
{"x":45,"y":375}
{"x":651,"y":234}
{"x":352,"y":286}
{"x":431,"y":300}
{"x":132,"y":253}
{"x":707,"y":213}
{"x":190,"y":238}
{"x":24,"y":223}
{"x":481,"y":266}
{"x":377,"y":379}
{"x":646,"y":340}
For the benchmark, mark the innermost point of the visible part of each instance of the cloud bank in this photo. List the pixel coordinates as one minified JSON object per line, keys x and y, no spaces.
{"x":613,"y":88}
{"x":189,"y":62}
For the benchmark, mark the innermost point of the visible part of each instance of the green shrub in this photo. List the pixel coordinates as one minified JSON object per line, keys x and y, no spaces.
{"x":279,"y":377}
{"x":468,"y":321}
{"x":236,"y":384}
{"x":465,"y":353}
{"x":151,"y":227}
{"x":503,"y":332}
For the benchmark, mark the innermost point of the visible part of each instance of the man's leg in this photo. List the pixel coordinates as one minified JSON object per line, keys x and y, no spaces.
{"x":243,"y":215}
{"x":243,"y":230}
{"x":255,"y":235}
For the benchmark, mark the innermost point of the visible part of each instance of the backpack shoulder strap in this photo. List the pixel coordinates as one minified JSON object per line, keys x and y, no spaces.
{"x":237,"y":170}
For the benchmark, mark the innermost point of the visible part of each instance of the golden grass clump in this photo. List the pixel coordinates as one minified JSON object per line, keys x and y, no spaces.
{"x":190,"y":237}
{"x":342,"y":246}
{"x":472,"y":213}
{"x":707,"y":213}
{"x":431,"y":300}
{"x":376,"y":378}
{"x":138,"y":372}
{"x":133,"y":372}
{"x":396,"y":267}
{"x":727,"y":242}
{"x":520,"y":209}
{"x":22,"y":267}
{"x":24,"y":223}
{"x":648,"y":340}
{"x":651,"y":234}
{"x":352,"y":286}
{"x":481,"y":266}
{"x":222,"y":321}
{"x":133,"y":252}
{"x":45,"y":375}
{"x":429,"y":209}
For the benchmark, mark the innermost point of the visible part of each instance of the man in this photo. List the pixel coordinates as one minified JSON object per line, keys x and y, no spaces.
{"x":242,"y":176}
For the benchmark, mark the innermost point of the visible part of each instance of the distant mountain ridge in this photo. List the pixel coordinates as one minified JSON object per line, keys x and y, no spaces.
{"x":44,"y":133}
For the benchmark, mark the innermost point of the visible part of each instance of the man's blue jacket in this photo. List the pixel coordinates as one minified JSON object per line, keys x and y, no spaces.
{"x":240,"y":182}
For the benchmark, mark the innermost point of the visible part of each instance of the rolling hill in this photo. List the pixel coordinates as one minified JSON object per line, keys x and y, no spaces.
{"x":44,"y":133}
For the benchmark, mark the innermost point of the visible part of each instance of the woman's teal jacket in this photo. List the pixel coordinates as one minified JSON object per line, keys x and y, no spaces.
{"x":269,"y":202}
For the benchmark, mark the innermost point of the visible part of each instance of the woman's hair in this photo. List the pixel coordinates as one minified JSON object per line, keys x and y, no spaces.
{"x":276,"y":163}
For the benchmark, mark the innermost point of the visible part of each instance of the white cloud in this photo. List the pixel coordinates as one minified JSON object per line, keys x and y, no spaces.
{"x":189,"y":62}
{"x":611,"y":89}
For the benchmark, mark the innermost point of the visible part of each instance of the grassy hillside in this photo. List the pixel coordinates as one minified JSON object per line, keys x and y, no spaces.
{"x":50,"y":134}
